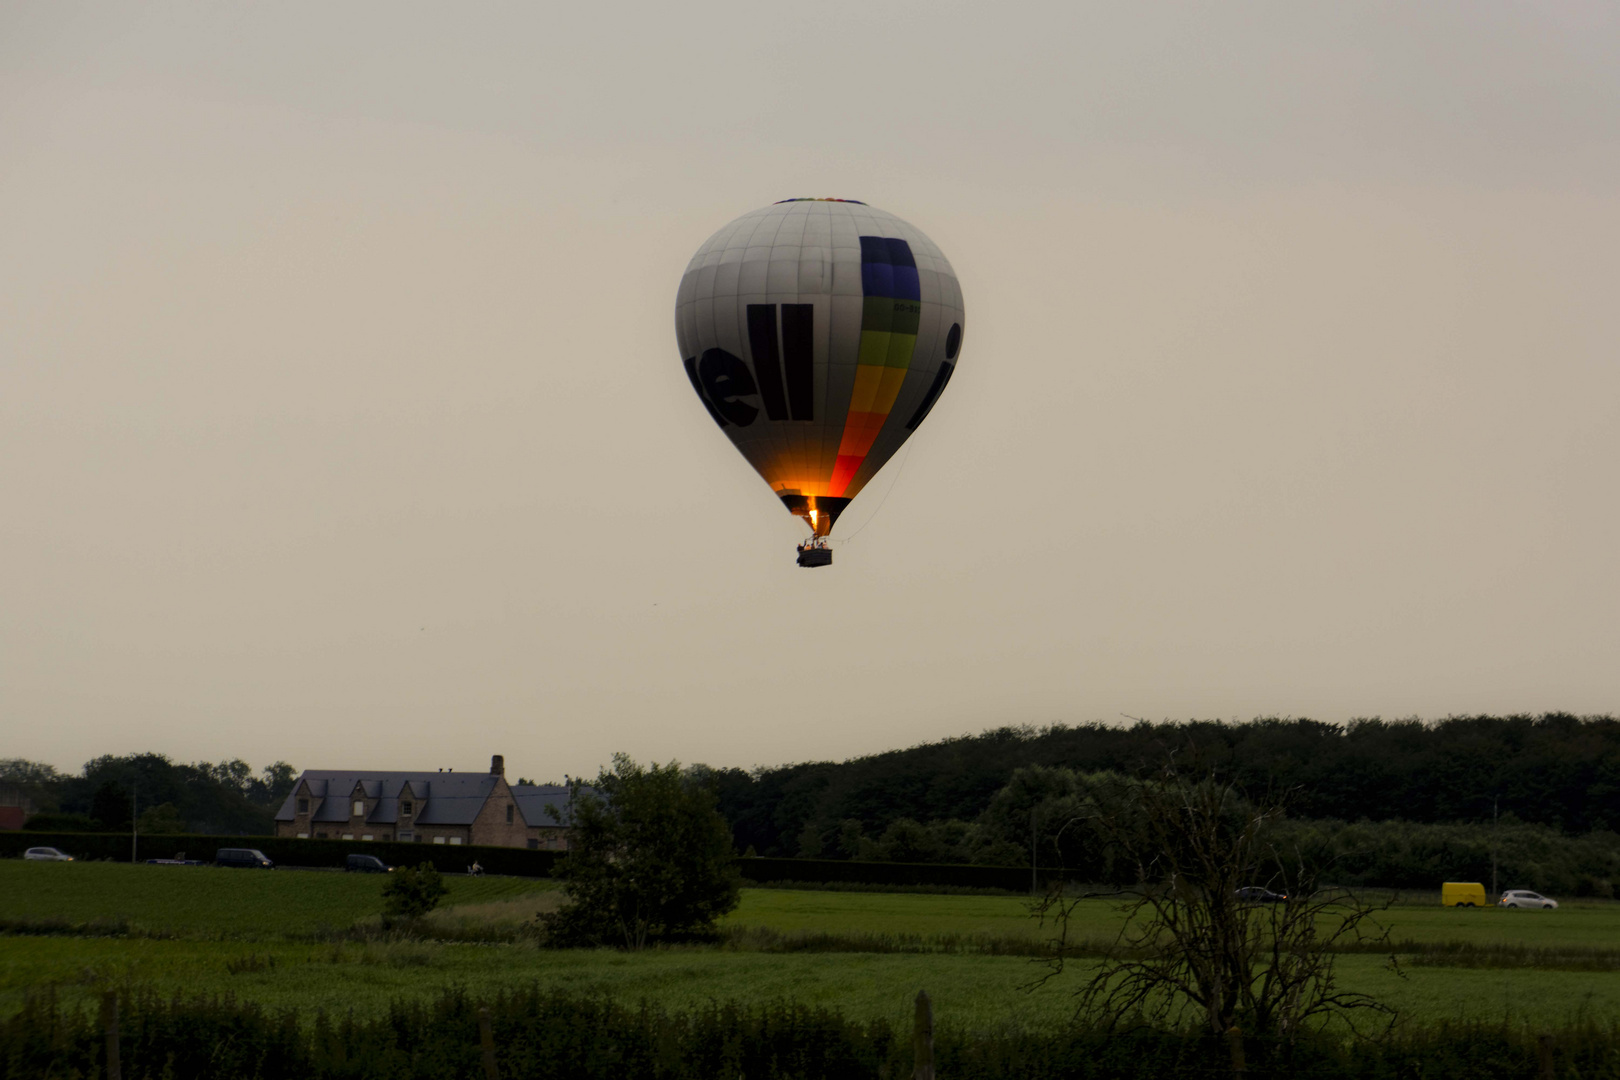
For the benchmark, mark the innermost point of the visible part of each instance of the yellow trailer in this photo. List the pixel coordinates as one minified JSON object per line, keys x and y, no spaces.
{"x":1462,"y":894}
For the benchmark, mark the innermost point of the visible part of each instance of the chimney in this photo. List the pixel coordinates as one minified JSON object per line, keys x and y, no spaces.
{"x":497,"y":766}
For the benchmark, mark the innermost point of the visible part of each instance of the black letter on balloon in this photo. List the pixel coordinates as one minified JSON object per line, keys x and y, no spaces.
{"x":941,"y":377}
{"x":691,"y":373}
{"x":798,"y":321}
{"x":725,"y":379}
{"x":762,"y":341}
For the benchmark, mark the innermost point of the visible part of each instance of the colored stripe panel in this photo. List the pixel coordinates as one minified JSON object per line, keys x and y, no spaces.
{"x":767,"y":367}
{"x":890,"y":316}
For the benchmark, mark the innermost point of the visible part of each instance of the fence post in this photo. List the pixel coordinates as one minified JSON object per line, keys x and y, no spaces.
{"x":109,"y":1024}
{"x":1234,"y":1046}
{"x":922,"y":1039}
{"x":1544,"y":1047}
{"x":486,"y":1039}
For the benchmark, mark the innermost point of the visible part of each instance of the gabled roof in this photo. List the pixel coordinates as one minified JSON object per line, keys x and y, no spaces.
{"x":446,"y":798}
{"x":532,"y":800}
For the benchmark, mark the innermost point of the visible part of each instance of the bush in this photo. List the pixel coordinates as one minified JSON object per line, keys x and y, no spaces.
{"x":412,"y":892}
{"x":649,"y":859}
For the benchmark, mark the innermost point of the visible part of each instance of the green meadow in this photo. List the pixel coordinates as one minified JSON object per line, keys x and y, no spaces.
{"x":288,"y":939}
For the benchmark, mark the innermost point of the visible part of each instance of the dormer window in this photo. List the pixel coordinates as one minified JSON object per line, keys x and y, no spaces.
{"x":405,"y":808}
{"x":303,"y":806}
{"x":359,"y":808}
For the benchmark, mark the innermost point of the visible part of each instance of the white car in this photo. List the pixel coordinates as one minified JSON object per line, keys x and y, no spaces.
{"x":47,"y":854}
{"x":1524,"y":898}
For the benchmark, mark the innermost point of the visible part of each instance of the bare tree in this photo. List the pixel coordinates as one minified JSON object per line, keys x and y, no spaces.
{"x":1196,"y":946}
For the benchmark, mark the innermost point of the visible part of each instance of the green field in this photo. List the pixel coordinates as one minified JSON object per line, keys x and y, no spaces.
{"x":1575,"y":924}
{"x":259,"y":936}
{"x":208,"y":901}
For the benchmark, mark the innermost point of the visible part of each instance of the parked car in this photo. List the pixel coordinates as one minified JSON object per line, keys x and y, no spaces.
{"x":1258,"y":894}
{"x":245,"y":857}
{"x":366,"y":864}
{"x":47,"y":854}
{"x":1524,"y":898}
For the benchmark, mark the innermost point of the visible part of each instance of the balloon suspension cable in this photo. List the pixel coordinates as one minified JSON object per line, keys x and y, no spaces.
{"x":905,"y":457}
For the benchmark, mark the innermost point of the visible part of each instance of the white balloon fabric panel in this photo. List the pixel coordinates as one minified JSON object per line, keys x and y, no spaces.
{"x":819,"y":333}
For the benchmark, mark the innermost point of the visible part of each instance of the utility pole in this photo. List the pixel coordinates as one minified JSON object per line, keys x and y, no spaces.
{"x":134,"y":823}
{"x":1494,"y":800}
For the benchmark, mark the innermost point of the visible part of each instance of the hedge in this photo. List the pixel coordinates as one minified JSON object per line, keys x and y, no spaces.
{"x":286,"y":851}
{"x":1009,"y":878}
{"x":517,"y":862}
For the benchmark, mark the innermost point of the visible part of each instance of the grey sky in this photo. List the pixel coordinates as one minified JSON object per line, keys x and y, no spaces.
{"x":341,"y":418}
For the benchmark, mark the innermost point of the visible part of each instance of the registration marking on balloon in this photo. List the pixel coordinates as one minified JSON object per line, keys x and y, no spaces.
{"x":889,"y":319}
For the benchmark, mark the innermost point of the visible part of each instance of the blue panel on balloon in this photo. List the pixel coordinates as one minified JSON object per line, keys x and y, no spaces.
{"x":888,"y":268}
{"x":877,"y":279}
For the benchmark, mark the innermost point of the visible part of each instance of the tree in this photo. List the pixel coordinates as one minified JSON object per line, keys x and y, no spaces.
{"x":274,"y":784}
{"x":649,"y":859}
{"x":161,"y":819}
{"x":412,"y":892}
{"x":1191,"y":949}
{"x":110,"y":807}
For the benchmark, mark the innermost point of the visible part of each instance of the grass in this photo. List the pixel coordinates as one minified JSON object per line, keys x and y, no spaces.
{"x":208,"y":901}
{"x":254,"y":935}
{"x":983,"y":990}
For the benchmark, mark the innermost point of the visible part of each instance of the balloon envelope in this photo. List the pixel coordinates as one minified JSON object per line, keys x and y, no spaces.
{"x":818,"y":333}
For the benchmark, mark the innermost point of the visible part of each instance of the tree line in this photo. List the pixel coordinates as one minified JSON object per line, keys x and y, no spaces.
{"x":219,"y":798}
{"x":1558,"y":771}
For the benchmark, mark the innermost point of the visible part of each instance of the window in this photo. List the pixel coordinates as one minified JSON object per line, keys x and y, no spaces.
{"x":534,"y":843}
{"x":348,"y":836}
{"x":367,"y":836}
{"x":303,"y":806}
{"x":455,"y":839}
{"x":359,"y":808}
{"x":438,"y":839}
{"x":509,"y":815}
{"x":405,"y":834}
{"x":320,"y":836}
{"x":405,"y":808}
{"x":303,"y":836}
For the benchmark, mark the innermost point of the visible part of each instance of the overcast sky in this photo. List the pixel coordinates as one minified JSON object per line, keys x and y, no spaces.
{"x":341,"y":418}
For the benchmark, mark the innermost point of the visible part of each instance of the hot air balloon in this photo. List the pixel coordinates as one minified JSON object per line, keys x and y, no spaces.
{"x":818,"y":333}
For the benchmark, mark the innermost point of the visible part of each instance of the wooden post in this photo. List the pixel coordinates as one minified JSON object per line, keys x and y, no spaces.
{"x":486,"y":1039}
{"x":922,"y":1039}
{"x":1234,"y":1046}
{"x":109,"y":1024}
{"x":1544,"y":1047}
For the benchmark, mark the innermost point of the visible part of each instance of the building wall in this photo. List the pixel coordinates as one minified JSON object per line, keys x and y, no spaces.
{"x":500,"y":823}
{"x":547,"y":838}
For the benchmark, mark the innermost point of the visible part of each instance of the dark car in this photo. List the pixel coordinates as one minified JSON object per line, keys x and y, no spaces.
{"x":1257,"y":894}
{"x":366,"y":864}
{"x":244,"y":857}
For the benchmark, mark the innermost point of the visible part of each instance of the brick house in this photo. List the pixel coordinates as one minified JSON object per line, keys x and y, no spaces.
{"x":425,"y":808}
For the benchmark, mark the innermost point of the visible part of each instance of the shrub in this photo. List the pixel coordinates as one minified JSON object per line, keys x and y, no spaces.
{"x":412,"y":892}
